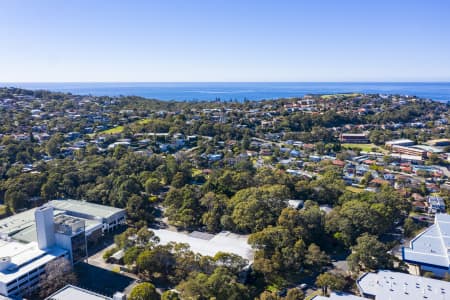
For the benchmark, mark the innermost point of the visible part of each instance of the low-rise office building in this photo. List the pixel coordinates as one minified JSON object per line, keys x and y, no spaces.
{"x":409,"y":151}
{"x":98,"y":219}
{"x":32,"y":239}
{"x":430,"y":150}
{"x":21,"y":264}
{"x":353,"y":138}
{"x":110,"y":217}
{"x":408,"y":158}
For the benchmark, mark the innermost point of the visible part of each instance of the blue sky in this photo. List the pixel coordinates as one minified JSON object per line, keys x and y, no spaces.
{"x":224,"y":40}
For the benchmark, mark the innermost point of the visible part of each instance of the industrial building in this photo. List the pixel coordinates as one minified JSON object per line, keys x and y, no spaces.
{"x":385,"y":285}
{"x":32,"y":239}
{"x":209,"y":244}
{"x":429,"y":250}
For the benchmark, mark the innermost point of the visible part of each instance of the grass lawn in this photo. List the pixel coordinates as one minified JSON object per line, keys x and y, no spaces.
{"x":119,"y":129}
{"x":363,"y":147}
{"x":114,"y":130}
{"x":337,"y":95}
{"x":354,"y":189}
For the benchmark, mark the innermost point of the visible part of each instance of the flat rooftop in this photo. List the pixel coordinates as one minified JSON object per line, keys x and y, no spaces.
{"x":29,"y":234}
{"x":433,"y":142}
{"x":431,"y":149}
{"x":17,"y":222}
{"x":70,"y":292}
{"x":431,"y":246}
{"x":413,"y":148}
{"x":354,"y":134}
{"x":84,"y":207}
{"x":24,"y":258}
{"x":22,"y":226}
{"x":399,"y":141}
{"x":208,"y":244}
{"x":407,"y":156}
{"x":386,"y":285}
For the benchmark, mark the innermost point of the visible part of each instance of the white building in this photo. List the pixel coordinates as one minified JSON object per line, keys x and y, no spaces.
{"x":385,"y":285}
{"x":97,"y":218}
{"x":31,"y":239}
{"x":110,"y":217}
{"x":209,"y":244}
{"x":430,"y":249}
{"x":400,"y":142}
{"x":21,"y":264}
{"x":70,"y":292}
{"x":436,"y":204}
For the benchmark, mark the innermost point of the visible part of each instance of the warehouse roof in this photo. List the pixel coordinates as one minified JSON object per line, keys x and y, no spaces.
{"x":70,"y":292}
{"x":338,"y":296}
{"x":431,"y":246}
{"x":208,"y":244}
{"x":385,"y":285}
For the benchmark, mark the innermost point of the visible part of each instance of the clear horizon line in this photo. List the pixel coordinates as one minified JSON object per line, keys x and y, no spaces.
{"x":344,"y":81}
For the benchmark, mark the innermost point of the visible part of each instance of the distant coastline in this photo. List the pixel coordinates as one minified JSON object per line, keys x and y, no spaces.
{"x":240,"y":91}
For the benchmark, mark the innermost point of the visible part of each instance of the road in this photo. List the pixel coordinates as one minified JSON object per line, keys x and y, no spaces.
{"x":96,"y":260}
{"x":279,"y":144}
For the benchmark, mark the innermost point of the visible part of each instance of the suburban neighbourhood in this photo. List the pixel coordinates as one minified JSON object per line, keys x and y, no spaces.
{"x":322,"y":197}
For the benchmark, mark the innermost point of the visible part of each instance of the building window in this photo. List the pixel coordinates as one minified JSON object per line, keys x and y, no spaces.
{"x":23,"y":277}
{"x":13,"y":289}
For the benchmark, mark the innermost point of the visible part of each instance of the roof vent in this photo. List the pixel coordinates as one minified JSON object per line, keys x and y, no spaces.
{"x":4,"y":262}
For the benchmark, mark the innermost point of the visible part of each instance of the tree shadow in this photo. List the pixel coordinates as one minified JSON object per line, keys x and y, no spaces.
{"x":99,"y":280}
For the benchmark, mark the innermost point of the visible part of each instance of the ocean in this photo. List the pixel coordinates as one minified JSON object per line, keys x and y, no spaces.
{"x":240,"y":91}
